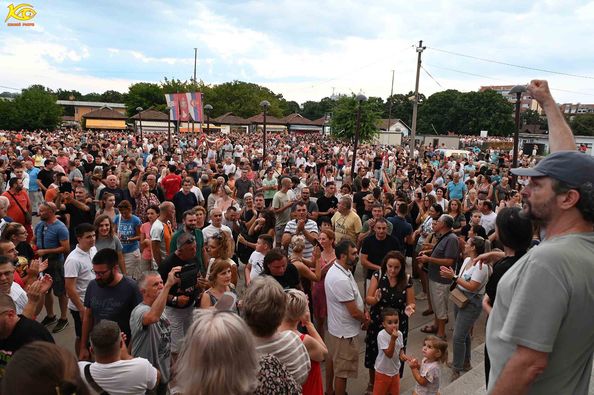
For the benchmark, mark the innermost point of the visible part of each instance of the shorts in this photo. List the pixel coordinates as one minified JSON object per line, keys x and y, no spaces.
{"x":77,"y":322}
{"x":180,"y":320}
{"x":56,"y":270}
{"x":133,"y":264}
{"x":345,"y":356}
{"x":384,"y":384}
{"x":439,"y":294}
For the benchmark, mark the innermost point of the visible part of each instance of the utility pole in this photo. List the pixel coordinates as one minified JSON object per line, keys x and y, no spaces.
{"x":419,"y":50}
{"x":390,"y":105}
{"x":195,"y":59}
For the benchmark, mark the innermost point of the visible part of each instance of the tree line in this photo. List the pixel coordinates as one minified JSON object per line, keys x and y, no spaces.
{"x":442,"y":112}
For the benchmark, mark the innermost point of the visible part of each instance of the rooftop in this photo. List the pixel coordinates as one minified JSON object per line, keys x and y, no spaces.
{"x":89,"y":104}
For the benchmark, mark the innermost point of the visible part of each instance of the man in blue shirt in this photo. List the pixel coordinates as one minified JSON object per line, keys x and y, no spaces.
{"x":456,"y":188}
{"x":53,"y":241}
{"x":34,"y":195}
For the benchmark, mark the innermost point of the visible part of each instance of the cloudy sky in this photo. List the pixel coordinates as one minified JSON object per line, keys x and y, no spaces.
{"x":303,"y":49}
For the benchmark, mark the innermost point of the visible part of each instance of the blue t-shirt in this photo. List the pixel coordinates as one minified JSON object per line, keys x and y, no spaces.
{"x":33,"y":172}
{"x":50,"y":235}
{"x":127,"y":229}
{"x":456,"y":190}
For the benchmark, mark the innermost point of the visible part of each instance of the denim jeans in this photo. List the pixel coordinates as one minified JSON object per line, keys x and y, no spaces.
{"x":465,"y":319}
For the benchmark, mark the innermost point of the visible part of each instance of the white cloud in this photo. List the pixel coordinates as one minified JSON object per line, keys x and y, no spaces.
{"x":307,"y":49}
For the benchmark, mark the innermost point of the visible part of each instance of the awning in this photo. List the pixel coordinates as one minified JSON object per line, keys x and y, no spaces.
{"x":105,"y":124}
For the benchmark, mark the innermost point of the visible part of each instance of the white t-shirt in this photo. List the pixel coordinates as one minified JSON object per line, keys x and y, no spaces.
{"x":340,"y":286}
{"x":383,"y":364}
{"x":229,"y":168}
{"x":79,"y":265}
{"x":126,"y":377}
{"x":472,"y":272}
{"x":211,"y":230}
{"x":19,"y":296}
{"x":257,"y":262}
{"x":488,"y":221}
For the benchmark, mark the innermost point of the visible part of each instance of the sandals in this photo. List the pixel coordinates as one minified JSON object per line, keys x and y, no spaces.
{"x":429,"y":329}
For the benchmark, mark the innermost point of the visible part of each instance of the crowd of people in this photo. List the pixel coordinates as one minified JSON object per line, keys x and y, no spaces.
{"x":203,"y":268}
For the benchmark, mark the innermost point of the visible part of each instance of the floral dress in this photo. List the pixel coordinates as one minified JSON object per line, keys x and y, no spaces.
{"x":391,"y":297}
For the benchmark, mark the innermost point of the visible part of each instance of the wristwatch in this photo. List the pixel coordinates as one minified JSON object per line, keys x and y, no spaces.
{"x":455,"y":278}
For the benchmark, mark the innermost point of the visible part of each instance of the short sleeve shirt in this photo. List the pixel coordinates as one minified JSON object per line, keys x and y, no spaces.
{"x":447,"y":247}
{"x":340,"y":287}
{"x":544,"y":302}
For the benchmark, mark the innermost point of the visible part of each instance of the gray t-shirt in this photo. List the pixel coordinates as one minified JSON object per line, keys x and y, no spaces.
{"x":447,"y":247}
{"x":279,"y":200}
{"x":544,"y":302}
{"x":152,"y":342}
{"x":114,"y":243}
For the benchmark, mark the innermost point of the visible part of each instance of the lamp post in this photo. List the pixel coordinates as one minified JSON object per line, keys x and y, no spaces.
{"x":517,"y":90}
{"x":207,"y":110}
{"x":139,"y":109}
{"x":360,"y":99}
{"x":265,"y":104}
{"x":169,"y":127}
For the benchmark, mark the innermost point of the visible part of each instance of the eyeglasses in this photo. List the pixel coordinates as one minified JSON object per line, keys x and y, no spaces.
{"x":101,"y":273}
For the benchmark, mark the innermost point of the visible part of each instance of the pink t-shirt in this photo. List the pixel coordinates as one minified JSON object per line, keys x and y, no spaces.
{"x":145,"y":229}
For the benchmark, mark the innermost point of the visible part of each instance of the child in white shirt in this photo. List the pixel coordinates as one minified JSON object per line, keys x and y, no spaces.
{"x":387,"y":364}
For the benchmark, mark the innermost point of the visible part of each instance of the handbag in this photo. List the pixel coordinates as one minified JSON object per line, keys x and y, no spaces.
{"x":458,"y":298}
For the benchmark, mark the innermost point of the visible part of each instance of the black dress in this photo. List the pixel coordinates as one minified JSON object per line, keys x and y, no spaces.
{"x":391,"y":297}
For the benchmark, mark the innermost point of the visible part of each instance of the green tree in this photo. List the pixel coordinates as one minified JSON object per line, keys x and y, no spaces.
{"x":530,"y":117}
{"x":583,"y":125}
{"x":290,"y":107}
{"x":7,"y":115}
{"x":344,"y":118}
{"x":465,"y":113}
{"x":242,"y":98}
{"x":402,"y":106}
{"x":145,"y":95}
{"x":112,"y":97}
{"x":314,"y":110}
{"x":36,"y":108}
{"x":93,"y":96}
{"x":441,"y":112}
{"x":63,"y":94}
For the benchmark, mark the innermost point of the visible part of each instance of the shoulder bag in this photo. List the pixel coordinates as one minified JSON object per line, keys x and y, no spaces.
{"x":28,"y":217}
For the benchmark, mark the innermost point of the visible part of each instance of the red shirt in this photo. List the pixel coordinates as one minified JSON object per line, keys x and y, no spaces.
{"x":14,"y":211}
{"x":171,"y":185}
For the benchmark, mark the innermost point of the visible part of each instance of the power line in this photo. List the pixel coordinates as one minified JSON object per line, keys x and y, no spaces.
{"x":512,"y":65}
{"x":8,"y":87}
{"x":500,"y":79}
{"x":430,"y":76}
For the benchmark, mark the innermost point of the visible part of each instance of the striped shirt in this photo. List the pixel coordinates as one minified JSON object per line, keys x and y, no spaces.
{"x":311,"y":227}
{"x":290,"y":351}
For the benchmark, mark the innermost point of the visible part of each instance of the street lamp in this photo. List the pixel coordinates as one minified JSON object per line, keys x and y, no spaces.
{"x":517,"y":90}
{"x":265,"y":104}
{"x":360,"y":99}
{"x":207,"y":110}
{"x":169,"y":127}
{"x":139,"y":109}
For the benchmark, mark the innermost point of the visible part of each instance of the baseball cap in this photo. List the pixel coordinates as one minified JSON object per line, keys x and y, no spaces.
{"x":184,"y":239}
{"x":571,"y":167}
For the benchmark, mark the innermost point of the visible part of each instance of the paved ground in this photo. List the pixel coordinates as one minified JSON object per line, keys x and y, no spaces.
{"x":359,"y":385}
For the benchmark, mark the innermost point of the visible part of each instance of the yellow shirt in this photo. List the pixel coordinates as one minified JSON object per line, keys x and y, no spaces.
{"x":346,"y":226}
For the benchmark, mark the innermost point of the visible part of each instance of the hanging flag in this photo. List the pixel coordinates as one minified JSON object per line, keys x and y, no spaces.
{"x":195,"y":99}
{"x":173,"y":104}
{"x":184,"y":106}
